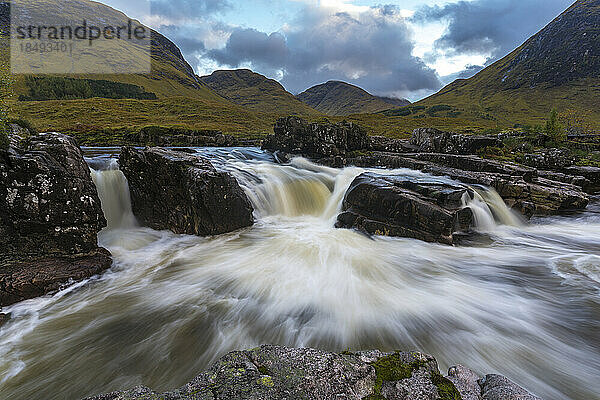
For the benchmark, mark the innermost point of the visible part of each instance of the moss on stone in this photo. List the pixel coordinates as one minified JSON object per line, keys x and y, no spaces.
{"x":446,"y":389}
{"x":393,"y":368}
{"x":266,"y":381}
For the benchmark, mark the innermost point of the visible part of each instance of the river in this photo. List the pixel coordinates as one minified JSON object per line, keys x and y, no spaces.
{"x":522,"y":300}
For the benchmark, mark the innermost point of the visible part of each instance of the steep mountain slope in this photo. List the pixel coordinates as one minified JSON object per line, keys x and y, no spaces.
{"x":255,"y":91}
{"x":559,"y":67}
{"x":340,"y":98}
{"x":171,"y":95}
{"x":171,"y":75}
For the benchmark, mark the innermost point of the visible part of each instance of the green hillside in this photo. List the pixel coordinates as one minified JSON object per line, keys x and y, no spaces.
{"x":341,"y":98}
{"x":255,"y":92}
{"x":559,"y":67}
{"x":174,"y":94}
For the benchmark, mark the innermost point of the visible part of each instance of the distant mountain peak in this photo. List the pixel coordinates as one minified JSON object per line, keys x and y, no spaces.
{"x":342,"y":98}
{"x":255,"y":91}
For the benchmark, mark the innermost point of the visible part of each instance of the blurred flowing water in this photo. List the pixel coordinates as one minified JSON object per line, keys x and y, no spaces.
{"x":523,"y":302}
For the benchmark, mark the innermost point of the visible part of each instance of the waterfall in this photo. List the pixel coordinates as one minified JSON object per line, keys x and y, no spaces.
{"x":299,"y":189}
{"x":113,"y":191}
{"x":489,"y":210}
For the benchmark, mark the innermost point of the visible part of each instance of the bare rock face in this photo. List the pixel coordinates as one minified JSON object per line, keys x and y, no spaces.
{"x":50,"y":215}
{"x":432,"y":140}
{"x":406,"y":207}
{"x":183,"y":193}
{"x":296,"y":136}
{"x":274,"y":372}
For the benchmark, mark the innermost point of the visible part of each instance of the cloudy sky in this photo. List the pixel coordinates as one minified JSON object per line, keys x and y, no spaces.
{"x":402,"y":48}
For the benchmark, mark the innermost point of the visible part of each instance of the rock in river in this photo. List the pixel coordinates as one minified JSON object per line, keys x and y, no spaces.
{"x":50,"y":215}
{"x":273,"y":372}
{"x":296,"y":136}
{"x":429,"y":210}
{"x":183,"y":193}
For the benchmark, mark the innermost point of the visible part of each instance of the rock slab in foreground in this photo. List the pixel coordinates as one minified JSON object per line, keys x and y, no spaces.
{"x":273,"y":372}
{"x":184,"y":193}
{"x":402,"y":206}
{"x":50,"y":215}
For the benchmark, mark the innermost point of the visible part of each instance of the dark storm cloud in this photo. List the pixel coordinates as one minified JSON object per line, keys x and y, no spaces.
{"x":372,"y":49}
{"x":494,"y":27}
{"x":251,"y":45}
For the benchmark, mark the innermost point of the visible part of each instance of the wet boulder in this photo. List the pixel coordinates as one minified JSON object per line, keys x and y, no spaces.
{"x":183,"y":192}
{"x":421,"y":208}
{"x":50,"y":215}
{"x":316,"y":140}
{"x":523,"y":189}
{"x":431,"y":140}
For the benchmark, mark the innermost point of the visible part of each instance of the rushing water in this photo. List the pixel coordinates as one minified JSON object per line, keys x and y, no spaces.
{"x":524,"y":303}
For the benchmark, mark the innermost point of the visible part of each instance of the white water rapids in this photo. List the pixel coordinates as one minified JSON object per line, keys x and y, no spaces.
{"x":523,"y":301}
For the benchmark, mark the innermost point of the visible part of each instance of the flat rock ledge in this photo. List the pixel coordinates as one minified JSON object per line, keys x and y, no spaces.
{"x":50,"y":215}
{"x":184,"y":193}
{"x":424,"y":209}
{"x":273,"y":372}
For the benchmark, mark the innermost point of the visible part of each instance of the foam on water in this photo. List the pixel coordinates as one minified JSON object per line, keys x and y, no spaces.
{"x":526,"y":305}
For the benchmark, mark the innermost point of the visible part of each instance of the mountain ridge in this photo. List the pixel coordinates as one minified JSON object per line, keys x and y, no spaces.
{"x":558,"y":67}
{"x":255,"y":91}
{"x":340,"y":98}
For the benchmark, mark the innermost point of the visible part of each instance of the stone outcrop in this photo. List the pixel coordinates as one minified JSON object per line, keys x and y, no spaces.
{"x":163,"y":136}
{"x":296,"y":136}
{"x":549,"y":159}
{"x":183,"y":192}
{"x":520,"y":187}
{"x":50,"y":215}
{"x":432,"y":140}
{"x":273,"y":372}
{"x":401,"y":206}
{"x":556,"y":188}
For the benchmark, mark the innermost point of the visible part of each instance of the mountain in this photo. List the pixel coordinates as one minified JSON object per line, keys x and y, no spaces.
{"x":97,"y":105}
{"x":340,"y":98}
{"x":559,"y":67}
{"x":255,"y":92}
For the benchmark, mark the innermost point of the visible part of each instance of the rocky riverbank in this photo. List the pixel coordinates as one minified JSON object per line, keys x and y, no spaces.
{"x":273,"y":372}
{"x":50,"y":215}
{"x":545,"y":186}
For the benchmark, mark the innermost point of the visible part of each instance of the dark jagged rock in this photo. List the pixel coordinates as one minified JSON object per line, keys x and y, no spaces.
{"x":518,"y":186}
{"x":406,"y":207}
{"x":590,"y":173}
{"x":296,"y":136}
{"x":4,"y":319}
{"x":163,"y":136}
{"x":273,"y":372}
{"x":30,"y":278}
{"x":477,"y":164}
{"x":389,"y":145}
{"x":183,"y":192}
{"x":50,"y":215}
{"x":432,"y":140}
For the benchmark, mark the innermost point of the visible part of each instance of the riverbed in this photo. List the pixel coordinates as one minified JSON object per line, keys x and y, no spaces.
{"x":522,"y":300}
